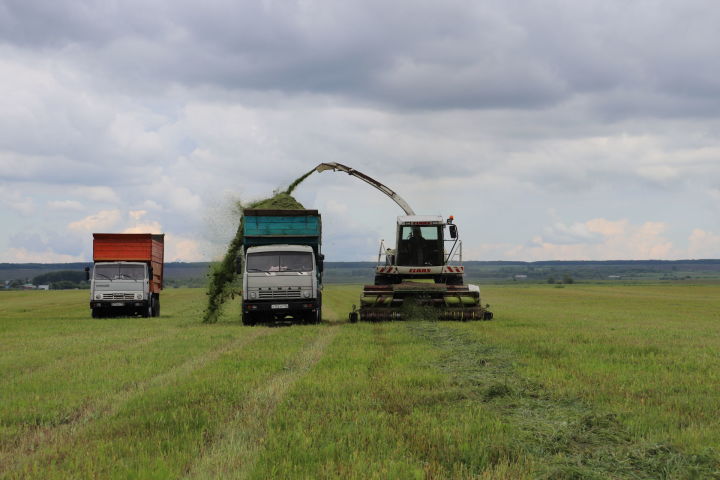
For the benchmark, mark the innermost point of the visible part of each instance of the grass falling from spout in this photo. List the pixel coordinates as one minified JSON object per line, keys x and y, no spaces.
{"x":222,"y":274}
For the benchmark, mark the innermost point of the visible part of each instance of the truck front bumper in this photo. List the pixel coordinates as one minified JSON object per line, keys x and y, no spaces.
{"x":118,"y":303}
{"x":279,"y":307}
{"x":113,"y":308}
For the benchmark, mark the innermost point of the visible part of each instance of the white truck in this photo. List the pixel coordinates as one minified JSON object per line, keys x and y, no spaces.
{"x":281,"y":265}
{"x":127,"y":274}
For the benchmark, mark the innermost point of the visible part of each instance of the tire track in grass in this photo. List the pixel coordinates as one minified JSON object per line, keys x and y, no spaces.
{"x":235,"y":450}
{"x":565,"y":437}
{"x":41,"y":439}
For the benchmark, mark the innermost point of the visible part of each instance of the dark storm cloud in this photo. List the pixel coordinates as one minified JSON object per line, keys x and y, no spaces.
{"x":434,"y":55}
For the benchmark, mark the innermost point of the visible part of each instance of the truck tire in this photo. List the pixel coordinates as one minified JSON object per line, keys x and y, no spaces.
{"x":148,"y":309}
{"x":95,"y":312}
{"x":318,"y":317}
{"x":156,"y":306}
{"x":249,"y":319}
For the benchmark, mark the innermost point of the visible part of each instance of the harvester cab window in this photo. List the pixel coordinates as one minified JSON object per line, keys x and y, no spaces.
{"x":282,"y":262}
{"x":420,"y":245}
{"x":119,"y":272}
{"x":421,"y":233}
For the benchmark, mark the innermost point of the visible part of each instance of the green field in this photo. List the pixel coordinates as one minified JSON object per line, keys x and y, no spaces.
{"x":574,"y":382}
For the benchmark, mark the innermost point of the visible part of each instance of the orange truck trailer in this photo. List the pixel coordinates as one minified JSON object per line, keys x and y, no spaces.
{"x":127,"y":274}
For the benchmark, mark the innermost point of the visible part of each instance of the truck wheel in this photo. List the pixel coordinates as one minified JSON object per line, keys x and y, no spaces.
{"x":318,"y":316}
{"x":95,"y":312}
{"x":148,"y":310}
{"x":249,"y":319}
{"x":156,"y":307}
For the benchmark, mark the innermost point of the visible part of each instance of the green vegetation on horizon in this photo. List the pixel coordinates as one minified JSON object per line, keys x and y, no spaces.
{"x":587,"y":381}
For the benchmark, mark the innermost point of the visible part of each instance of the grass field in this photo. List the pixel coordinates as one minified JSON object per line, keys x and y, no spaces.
{"x":575,"y":382}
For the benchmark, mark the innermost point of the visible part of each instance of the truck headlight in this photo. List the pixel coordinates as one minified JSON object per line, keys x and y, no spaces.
{"x":138,"y":296}
{"x":306,"y":294}
{"x":98,"y":296}
{"x":253,"y":294}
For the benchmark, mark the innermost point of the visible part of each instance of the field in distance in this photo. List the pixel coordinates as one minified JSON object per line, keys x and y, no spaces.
{"x":585,"y":381}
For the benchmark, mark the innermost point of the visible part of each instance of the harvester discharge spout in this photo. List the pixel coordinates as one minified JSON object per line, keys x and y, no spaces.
{"x":365,"y":178}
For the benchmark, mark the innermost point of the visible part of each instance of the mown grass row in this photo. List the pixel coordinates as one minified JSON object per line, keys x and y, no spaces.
{"x":649,"y":353}
{"x":580,"y":382}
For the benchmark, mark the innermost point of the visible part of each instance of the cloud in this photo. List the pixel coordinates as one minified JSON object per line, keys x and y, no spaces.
{"x":454,"y":54}
{"x":703,"y":244}
{"x":153,"y":227}
{"x":49,"y":241}
{"x":65,"y":205}
{"x":137,"y":214}
{"x":14,"y":199}
{"x":183,"y":249}
{"x":104,"y":220}
{"x":596,"y":239}
{"x":497,"y":113}
{"x":22,"y":255}
{"x":560,"y":233}
{"x":620,"y":240}
{"x":97,"y":193}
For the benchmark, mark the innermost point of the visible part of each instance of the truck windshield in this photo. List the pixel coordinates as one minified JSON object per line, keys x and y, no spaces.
{"x":279,"y":262}
{"x":119,"y":272}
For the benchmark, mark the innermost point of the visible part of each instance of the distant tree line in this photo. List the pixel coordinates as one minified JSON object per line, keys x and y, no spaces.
{"x":62,"y":280}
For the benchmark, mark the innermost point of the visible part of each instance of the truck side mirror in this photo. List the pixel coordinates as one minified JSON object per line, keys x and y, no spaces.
{"x":238,"y":264}
{"x":453,"y":230}
{"x":321,"y":263}
{"x":87,"y":274}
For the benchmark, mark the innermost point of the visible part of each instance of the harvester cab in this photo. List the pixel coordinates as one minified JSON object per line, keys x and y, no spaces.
{"x":423,"y":271}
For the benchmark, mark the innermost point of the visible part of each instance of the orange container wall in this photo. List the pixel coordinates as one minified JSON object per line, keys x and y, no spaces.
{"x":132,"y":247}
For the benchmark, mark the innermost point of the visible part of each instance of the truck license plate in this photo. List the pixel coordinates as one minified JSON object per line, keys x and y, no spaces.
{"x":279,"y":305}
{"x":116,"y":304}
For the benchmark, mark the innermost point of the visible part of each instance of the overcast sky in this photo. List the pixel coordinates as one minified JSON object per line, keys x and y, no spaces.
{"x":549,"y":129}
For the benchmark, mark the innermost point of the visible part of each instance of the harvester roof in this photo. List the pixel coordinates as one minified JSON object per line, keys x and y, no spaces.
{"x":420,"y":220}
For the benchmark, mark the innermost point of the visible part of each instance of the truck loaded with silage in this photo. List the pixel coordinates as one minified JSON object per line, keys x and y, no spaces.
{"x":281,"y":265}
